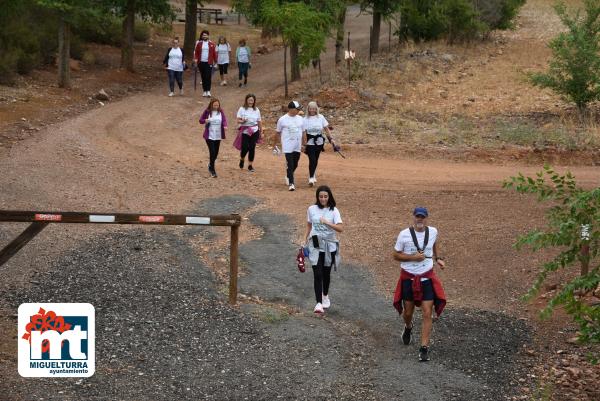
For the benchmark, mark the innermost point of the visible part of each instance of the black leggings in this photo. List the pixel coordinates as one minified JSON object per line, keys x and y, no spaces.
{"x":313,"y":152}
{"x":206,"y":75}
{"x":213,"y":151}
{"x":249,"y":145}
{"x":292,"y":164}
{"x":322,"y":276}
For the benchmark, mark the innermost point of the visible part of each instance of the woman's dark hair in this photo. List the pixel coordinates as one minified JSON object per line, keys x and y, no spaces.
{"x":242,"y":42}
{"x":248,"y":96}
{"x":204,"y":32}
{"x":330,"y":201}
{"x":210,"y":105}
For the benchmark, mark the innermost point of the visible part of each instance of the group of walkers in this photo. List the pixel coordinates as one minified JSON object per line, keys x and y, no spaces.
{"x":296,"y":134}
{"x":416,"y":247}
{"x":208,"y":57}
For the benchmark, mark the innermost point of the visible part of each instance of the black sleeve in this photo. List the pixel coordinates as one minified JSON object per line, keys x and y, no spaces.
{"x":166,"y":59}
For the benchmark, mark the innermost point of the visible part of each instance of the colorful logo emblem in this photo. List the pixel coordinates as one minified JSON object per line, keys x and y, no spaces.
{"x":56,"y":340}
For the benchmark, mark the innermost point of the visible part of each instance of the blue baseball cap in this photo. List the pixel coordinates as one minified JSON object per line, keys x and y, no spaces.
{"x":420,"y":211}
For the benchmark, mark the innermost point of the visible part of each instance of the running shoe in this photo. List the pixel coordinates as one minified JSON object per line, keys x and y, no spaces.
{"x":250,"y":168}
{"x":406,"y":335}
{"x":423,"y":354}
{"x":171,"y":94}
{"x":326,"y":302}
{"x":241,"y":163}
{"x":292,"y":187}
{"x":319,"y":309}
{"x":208,"y":94}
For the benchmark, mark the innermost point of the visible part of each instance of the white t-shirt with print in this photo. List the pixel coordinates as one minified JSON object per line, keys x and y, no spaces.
{"x":242,"y":55}
{"x":214,"y":126}
{"x":175,"y":62}
{"x":405,"y":244}
{"x":204,"y":51}
{"x":313,"y":216}
{"x":251,"y":115}
{"x":314,"y":125}
{"x":223,"y":50}
{"x":290,"y":129}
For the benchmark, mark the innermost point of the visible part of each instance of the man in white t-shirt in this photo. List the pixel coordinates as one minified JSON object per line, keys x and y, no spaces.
{"x":417,"y":248}
{"x":289,"y":128}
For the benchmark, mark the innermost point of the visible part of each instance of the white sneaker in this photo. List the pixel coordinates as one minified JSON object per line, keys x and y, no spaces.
{"x":326,"y":302}
{"x":180,"y":92}
{"x":224,"y":83}
{"x":171,"y":94}
{"x":319,"y":309}
{"x":208,"y":94}
{"x":292,"y":187}
{"x":311,"y":181}
{"x":287,"y":181}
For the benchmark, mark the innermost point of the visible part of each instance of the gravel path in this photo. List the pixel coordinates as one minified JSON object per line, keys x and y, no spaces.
{"x":165,"y":332}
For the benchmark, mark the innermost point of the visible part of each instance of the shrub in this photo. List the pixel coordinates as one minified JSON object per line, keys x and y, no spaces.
{"x":142,"y":31}
{"x":498,"y":14}
{"x":457,"y":20}
{"x":574,"y":71}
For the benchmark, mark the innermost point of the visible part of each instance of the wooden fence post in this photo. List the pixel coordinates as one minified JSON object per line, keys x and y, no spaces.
{"x":233,"y":265}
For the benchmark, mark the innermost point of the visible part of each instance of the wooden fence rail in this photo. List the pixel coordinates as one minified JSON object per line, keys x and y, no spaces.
{"x":39,"y":221}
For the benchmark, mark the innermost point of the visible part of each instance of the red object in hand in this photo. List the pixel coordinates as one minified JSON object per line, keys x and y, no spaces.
{"x":300,"y":260}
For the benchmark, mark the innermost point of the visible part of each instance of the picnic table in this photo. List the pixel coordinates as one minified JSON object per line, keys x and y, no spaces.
{"x":209,"y":12}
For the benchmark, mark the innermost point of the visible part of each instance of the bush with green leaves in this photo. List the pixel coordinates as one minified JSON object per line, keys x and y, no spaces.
{"x":498,"y":14}
{"x":574,"y":71}
{"x":455,"y":20}
{"x":573,"y":231}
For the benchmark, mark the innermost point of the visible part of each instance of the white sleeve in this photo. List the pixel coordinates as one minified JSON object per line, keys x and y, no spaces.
{"x":324,"y":121}
{"x":279,"y":125}
{"x":308,"y":215}
{"x":337,"y":218}
{"x":239,"y":113}
{"x":399,"y":247}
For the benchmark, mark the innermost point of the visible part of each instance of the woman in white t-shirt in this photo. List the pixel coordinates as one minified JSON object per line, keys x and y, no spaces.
{"x":223,"y":50}
{"x":215,"y":126}
{"x":323,"y":224}
{"x":242,"y":57}
{"x":315,"y":128}
{"x":248,"y":116}
{"x":174,"y":63}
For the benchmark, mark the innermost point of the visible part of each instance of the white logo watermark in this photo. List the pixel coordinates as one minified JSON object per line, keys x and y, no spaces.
{"x":56,"y":340}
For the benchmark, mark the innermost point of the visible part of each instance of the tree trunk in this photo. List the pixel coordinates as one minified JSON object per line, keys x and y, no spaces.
{"x":64,"y":54}
{"x":191,"y":23}
{"x":339,"y":38}
{"x":285,"y":78}
{"x":376,"y":31}
{"x":127,"y":38}
{"x":295,"y":64}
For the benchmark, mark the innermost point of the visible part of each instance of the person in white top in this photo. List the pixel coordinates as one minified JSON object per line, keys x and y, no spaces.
{"x":323,"y":224}
{"x":215,"y":127}
{"x":242,"y":58}
{"x":417,"y":248}
{"x":223,"y":50}
{"x":289,"y":128}
{"x":248,"y":116}
{"x":174,"y":63}
{"x":315,"y":128}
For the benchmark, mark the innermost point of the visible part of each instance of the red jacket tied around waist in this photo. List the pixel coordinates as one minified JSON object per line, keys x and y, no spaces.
{"x":439,"y":298}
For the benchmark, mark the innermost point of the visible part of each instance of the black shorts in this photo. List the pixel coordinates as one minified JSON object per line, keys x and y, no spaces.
{"x":426,"y":287}
{"x":223,"y":68}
